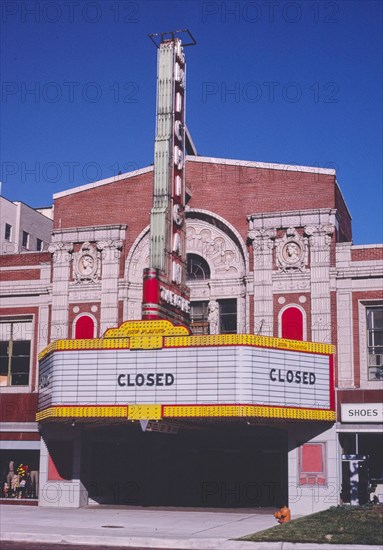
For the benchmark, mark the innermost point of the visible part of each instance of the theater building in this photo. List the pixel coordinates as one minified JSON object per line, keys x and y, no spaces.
{"x":201,"y":332}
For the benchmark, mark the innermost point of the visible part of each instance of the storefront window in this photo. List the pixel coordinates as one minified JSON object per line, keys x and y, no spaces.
{"x":19,"y":474}
{"x":375,"y":342}
{"x":15,"y":352}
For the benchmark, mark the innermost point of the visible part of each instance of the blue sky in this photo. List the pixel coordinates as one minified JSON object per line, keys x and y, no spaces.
{"x":291,"y":82}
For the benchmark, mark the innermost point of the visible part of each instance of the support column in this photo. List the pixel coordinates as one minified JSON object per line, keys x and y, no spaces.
{"x":263,"y":244}
{"x":111,"y":252}
{"x":59,"y":488}
{"x":320,"y":240}
{"x":62,"y":256}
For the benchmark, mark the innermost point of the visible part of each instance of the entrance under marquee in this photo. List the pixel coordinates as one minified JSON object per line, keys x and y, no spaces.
{"x":200,"y":466}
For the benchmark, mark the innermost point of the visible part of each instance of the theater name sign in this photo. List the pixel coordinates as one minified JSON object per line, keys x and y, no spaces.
{"x":153,"y":370}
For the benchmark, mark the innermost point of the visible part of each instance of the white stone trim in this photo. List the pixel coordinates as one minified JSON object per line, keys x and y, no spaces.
{"x":99,"y":183}
{"x":89,"y":233}
{"x":268,"y":165}
{"x":21,"y":267}
{"x":245,"y":255}
{"x":363,"y":246}
{"x":133,"y":275}
{"x":360,"y":428}
{"x":21,"y":445}
{"x":345,"y":347}
{"x":19,"y":427}
{"x":85,"y":314}
{"x":294,"y":218}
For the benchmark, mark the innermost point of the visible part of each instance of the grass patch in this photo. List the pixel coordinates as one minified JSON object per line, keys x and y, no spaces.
{"x":337,"y":525}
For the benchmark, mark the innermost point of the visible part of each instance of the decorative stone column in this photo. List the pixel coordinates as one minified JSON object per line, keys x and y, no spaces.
{"x":110,"y":254}
{"x":62,"y":256}
{"x":319,"y":242}
{"x":263,"y":244}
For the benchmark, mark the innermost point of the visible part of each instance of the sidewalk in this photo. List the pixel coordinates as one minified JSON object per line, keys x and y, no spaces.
{"x":152,"y":528}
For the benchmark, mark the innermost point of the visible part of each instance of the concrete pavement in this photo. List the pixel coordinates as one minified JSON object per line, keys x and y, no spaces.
{"x":152,"y":528}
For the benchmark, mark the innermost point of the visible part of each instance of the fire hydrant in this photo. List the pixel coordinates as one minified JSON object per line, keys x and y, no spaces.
{"x":283,"y":515}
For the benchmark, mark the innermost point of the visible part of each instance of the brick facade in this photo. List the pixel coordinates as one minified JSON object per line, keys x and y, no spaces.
{"x":240,"y":218}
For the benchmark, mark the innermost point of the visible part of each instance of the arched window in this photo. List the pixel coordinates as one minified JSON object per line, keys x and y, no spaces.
{"x":197,"y":268}
{"x":292,"y":323}
{"x":84,"y":327}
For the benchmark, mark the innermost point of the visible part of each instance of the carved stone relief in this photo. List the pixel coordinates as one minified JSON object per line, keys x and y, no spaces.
{"x":291,"y":251}
{"x":86,"y":265}
{"x":62,"y":252}
{"x":213,"y":317}
{"x":218,"y":249}
{"x":138,"y":260}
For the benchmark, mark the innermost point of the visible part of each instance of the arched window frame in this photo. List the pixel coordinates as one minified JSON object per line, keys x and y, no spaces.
{"x":304,"y":319}
{"x":85,"y":314}
{"x":204,"y":261}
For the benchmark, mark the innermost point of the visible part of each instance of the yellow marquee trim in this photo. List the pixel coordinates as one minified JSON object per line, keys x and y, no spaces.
{"x":159,"y":334}
{"x":157,"y":412}
{"x":83,"y":412}
{"x":146,"y":328}
{"x":180,"y":411}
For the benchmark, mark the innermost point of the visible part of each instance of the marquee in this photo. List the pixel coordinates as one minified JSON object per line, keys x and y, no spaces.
{"x":153,"y":370}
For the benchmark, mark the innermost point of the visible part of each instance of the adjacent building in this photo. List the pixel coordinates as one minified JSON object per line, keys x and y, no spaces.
{"x":24,"y":229}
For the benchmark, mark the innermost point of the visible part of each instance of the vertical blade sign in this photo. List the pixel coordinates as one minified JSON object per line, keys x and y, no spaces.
{"x":165,"y":294}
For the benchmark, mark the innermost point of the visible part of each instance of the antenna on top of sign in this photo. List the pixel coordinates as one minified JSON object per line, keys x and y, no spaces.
{"x":165,"y":292}
{"x":160,"y":37}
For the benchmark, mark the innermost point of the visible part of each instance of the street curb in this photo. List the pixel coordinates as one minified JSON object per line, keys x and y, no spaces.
{"x":176,"y":544}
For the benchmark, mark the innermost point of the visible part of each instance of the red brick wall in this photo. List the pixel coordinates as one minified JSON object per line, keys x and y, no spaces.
{"x":19,"y":436}
{"x":255,"y":191}
{"x":345,"y":229}
{"x":25,"y":259}
{"x":18,"y":407}
{"x":120,"y":312}
{"x":251,"y":312}
{"x":20,"y":275}
{"x":122,"y":202}
{"x":251,"y":190}
{"x":365,"y":254}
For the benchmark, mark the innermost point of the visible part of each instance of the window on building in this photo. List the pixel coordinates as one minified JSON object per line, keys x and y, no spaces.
{"x":25,"y":241}
{"x":39,"y":245}
{"x":197,"y":268}
{"x":199,"y":322}
{"x":15,"y":352}
{"x":375,"y":342}
{"x":228,"y":316}
{"x":8,"y":232}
